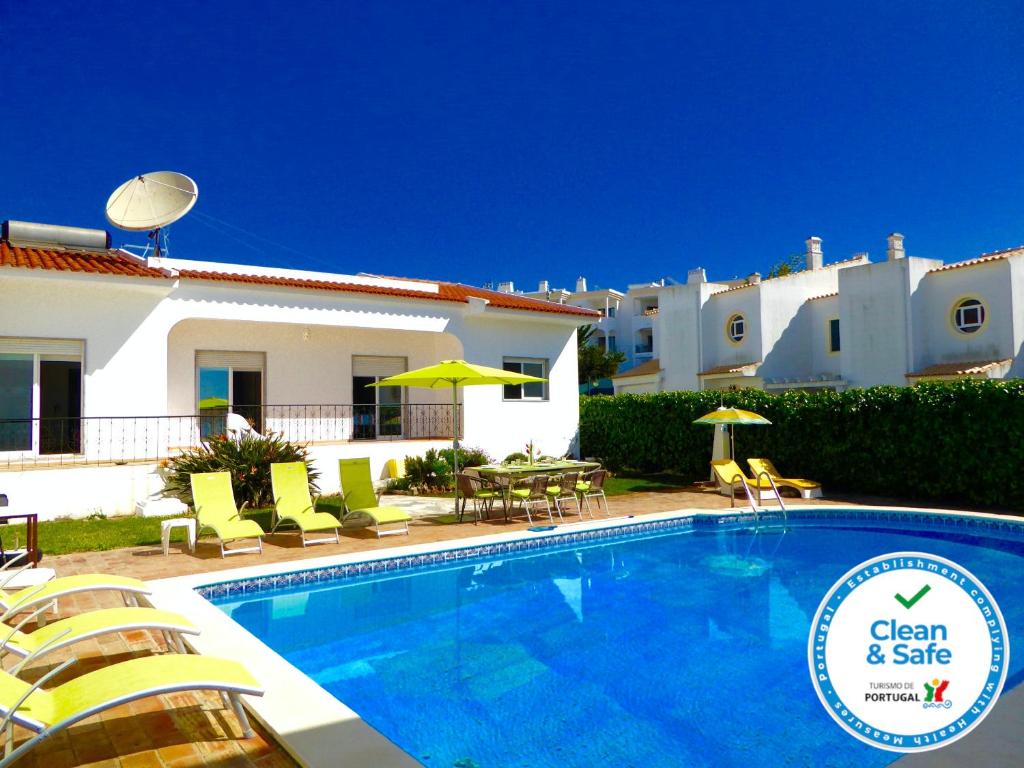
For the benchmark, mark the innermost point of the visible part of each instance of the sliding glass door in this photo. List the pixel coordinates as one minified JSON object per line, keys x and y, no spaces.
{"x":40,"y":396}
{"x":229,"y":382}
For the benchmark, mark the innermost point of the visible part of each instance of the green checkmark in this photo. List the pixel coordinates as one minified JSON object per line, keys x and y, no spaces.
{"x":908,"y":604}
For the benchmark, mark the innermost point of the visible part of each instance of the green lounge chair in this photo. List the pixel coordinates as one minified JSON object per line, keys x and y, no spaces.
{"x":293,"y":503}
{"x":30,"y":598}
{"x":360,"y":498}
{"x":48,"y":712}
{"x":214,"y":502}
{"x":86,"y":626}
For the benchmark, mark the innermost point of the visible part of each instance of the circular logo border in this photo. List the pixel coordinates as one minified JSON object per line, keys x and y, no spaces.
{"x":834,"y":598}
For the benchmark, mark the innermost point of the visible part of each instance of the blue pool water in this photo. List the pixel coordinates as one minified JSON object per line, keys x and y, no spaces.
{"x":686,"y":648}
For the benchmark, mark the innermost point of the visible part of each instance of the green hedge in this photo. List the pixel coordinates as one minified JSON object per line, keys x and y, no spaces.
{"x":960,"y":441}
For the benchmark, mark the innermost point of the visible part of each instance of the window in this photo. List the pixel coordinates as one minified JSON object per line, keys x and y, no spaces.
{"x":377,"y":411}
{"x":531,"y":367}
{"x":611,"y":344}
{"x":833,"y":335}
{"x":611,"y":310}
{"x":736,"y":328}
{"x":969,"y":315}
{"x":40,"y":396}
{"x":229,"y":381}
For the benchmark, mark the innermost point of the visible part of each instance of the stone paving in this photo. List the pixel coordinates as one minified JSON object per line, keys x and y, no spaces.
{"x":192,"y":729}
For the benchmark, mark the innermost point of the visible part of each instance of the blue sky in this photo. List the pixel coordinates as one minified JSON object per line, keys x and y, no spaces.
{"x":481,"y":141}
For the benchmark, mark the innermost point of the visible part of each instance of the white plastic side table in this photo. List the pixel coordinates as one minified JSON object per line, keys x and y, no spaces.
{"x":166,"y":526}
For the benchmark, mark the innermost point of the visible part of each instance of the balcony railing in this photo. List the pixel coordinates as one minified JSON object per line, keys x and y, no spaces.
{"x":50,"y":442}
{"x":643,"y":349}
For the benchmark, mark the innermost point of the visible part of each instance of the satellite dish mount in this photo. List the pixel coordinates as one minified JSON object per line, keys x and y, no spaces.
{"x":150,"y":202}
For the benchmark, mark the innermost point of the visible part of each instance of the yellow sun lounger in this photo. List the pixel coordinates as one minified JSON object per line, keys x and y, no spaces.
{"x":47,"y":712}
{"x":30,"y":598}
{"x":808,"y":489}
{"x":360,"y":498}
{"x":293,"y":503}
{"x":728,"y":473}
{"x":85,"y":626}
{"x":214,"y":502}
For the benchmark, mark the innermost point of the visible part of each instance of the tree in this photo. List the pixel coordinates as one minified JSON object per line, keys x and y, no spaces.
{"x":594,"y":362}
{"x":787,"y":266}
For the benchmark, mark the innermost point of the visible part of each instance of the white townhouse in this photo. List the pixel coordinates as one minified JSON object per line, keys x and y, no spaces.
{"x":110,"y":363}
{"x":853,"y":323}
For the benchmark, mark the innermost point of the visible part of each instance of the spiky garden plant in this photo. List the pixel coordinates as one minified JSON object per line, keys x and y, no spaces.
{"x":247,"y":459}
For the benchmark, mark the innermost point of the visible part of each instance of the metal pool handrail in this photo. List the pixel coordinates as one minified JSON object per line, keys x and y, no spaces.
{"x":778,"y":496}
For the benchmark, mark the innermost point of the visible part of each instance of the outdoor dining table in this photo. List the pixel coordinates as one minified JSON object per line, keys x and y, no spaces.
{"x":506,"y":474}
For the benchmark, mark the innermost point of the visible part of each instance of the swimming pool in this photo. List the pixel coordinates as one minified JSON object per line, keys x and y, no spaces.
{"x":676,"y":644}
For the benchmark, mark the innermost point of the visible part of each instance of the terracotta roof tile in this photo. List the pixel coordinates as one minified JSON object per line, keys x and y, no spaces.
{"x":718,"y":370}
{"x":648,"y":368}
{"x":983,"y":259}
{"x":454,"y":292}
{"x":120,"y":263}
{"x":824,"y":296}
{"x":110,"y":262}
{"x":959,"y":369}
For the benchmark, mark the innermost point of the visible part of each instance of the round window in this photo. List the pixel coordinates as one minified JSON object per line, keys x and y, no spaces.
{"x":969,"y":315}
{"x":736,"y":328}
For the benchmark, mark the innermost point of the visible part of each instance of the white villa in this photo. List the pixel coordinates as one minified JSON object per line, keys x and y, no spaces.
{"x":109,"y":363}
{"x":852,"y":323}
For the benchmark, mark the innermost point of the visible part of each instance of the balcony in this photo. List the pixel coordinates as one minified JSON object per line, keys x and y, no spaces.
{"x":55,"y":442}
{"x":644,"y":349}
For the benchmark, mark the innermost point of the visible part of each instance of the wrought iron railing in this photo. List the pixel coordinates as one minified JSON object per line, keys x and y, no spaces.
{"x":47,"y":442}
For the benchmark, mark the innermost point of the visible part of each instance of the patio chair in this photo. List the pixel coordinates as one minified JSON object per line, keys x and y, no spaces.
{"x":561,"y":488}
{"x":85,"y":626}
{"x":360,"y":498}
{"x":591,"y":486}
{"x":808,"y":489}
{"x":728,"y":474}
{"x":293,"y":504}
{"x":48,"y":593}
{"x":48,"y":712}
{"x":480,"y":491}
{"x":531,"y":491}
{"x":214,"y":502}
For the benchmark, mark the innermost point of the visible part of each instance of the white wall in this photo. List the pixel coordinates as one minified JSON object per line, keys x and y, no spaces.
{"x":939,"y":291}
{"x":300,"y":370}
{"x":877,"y":320}
{"x":718,"y":350}
{"x":502,"y":427}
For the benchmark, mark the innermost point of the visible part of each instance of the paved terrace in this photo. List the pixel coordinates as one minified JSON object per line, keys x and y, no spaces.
{"x":186,"y":730}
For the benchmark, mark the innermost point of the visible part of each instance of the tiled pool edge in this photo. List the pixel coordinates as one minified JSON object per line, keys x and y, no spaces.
{"x":612,"y":528}
{"x":319,"y":731}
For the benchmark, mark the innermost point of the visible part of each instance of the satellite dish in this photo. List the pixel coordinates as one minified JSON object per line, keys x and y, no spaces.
{"x":152,"y":201}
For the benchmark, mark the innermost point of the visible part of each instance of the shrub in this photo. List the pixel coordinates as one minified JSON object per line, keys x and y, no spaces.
{"x":428,"y":470}
{"x":468,"y":457}
{"x":959,"y":441}
{"x":248,"y":460}
{"x":514,"y":457}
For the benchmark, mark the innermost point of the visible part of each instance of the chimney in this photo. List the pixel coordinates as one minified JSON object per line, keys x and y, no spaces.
{"x":814,"y":255}
{"x":542,"y":286}
{"x":696,"y":276}
{"x":506,"y":287}
{"x":581,"y":284}
{"x":861,"y":255}
{"x":895,"y":249}
{"x":753,"y":278}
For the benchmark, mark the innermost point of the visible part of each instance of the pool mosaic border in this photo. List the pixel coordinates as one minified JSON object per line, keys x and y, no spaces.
{"x":688,"y":521}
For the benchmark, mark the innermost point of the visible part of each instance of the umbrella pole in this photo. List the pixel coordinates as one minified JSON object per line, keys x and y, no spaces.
{"x":455,"y":441}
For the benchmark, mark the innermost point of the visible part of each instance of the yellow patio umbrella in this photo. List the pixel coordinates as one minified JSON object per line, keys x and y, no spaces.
{"x":455,"y":374}
{"x":731,"y":417}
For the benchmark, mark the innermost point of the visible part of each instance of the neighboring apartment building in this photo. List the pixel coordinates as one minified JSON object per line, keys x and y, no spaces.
{"x":853,"y":323}
{"x":110,"y":363}
{"x":628,"y":320}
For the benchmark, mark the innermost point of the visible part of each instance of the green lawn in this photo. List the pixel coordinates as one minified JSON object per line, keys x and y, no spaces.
{"x":618,"y":485}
